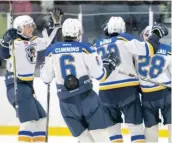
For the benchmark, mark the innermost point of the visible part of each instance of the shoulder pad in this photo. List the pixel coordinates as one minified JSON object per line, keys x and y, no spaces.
{"x":87,"y":48}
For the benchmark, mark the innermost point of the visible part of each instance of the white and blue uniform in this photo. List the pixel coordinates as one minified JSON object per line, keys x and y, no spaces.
{"x":118,"y":89}
{"x":120,"y":93}
{"x":30,"y":112}
{"x":82,"y":61}
{"x":156,"y":67}
{"x":25,"y":55}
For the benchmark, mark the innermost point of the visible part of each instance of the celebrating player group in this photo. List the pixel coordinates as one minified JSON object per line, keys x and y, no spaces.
{"x":126,"y":68}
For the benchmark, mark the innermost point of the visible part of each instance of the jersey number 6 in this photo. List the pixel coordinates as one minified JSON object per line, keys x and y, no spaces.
{"x":67,"y":68}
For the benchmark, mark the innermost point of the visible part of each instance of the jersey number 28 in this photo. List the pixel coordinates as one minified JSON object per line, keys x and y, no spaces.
{"x":155,"y":63}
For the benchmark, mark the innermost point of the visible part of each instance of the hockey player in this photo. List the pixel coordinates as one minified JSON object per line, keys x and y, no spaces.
{"x":156,"y":67}
{"x":73,"y":63}
{"x":120,"y":93}
{"x":31,"y":114}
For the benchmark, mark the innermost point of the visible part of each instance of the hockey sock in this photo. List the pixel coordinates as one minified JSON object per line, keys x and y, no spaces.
{"x":115,"y":135}
{"x":26,"y":132}
{"x":40,"y":133}
{"x":169,"y":133}
{"x":151,"y":134}
{"x":25,"y":136}
{"x":100,"y":136}
{"x":137,"y":133}
{"x":85,"y":137}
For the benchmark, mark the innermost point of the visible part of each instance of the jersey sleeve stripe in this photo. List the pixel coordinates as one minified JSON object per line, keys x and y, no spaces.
{"x":149,"y":49}
{"x":103,"y":77}
{"x":85,"y":51}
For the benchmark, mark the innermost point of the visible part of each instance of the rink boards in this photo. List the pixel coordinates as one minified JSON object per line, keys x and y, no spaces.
{"x":9,"y":124}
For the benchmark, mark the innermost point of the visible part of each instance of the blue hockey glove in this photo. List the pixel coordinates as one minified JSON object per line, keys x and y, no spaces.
{"x":10,"y":34}
{"x":111,"y":60}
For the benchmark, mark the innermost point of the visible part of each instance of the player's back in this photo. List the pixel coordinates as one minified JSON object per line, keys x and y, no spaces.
{"x":157,"y":68}
{"x":68,"y":60}
{"x":118,"y":45}
{"x":76,"y":59}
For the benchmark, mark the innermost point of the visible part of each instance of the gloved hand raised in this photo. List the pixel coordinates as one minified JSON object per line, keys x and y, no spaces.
{"x":159,"y":29}
{"x":9,"y":35}
{"x":55,"y":18}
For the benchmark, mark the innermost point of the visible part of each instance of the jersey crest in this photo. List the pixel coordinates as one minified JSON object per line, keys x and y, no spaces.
{"x":31,"y":53}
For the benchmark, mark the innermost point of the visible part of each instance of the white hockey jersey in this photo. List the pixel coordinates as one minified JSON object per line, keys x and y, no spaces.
{"x":26,"y":56}
{"x":72,"y":58}
{"x":127,"y":50}
{"x":25,"y":52}
{"x":76,"y":58}
{"x":155,"y":67}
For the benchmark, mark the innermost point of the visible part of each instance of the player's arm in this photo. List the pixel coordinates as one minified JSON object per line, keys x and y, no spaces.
{"x":4,"y":50}
{"x":51,"y":32}
{"x":47,"y":71}
{"x":7,"y":38}
{"x":97,"y":68}
{"x":148,"y":48}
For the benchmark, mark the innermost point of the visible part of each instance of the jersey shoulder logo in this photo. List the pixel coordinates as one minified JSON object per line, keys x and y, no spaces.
{"x":31,"y":53}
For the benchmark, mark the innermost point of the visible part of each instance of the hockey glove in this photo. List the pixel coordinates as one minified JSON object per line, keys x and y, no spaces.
{"x":55,"y":18}
{"x":111,"y":60}
{"x":71,"y":82}
{"x":9,"y":35}
{"x":160,"y":30}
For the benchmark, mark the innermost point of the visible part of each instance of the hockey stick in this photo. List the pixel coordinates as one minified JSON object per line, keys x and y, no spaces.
{"x":48,"y":111}
{"x":14,"y":64}
{"x":143,"y":78}
{"x":51,"y":37}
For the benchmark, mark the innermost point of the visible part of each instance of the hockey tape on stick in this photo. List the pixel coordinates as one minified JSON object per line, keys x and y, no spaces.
{"x":143,"y":78}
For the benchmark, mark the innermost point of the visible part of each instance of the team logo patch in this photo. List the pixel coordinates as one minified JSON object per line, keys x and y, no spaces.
{"x":31,"y":53}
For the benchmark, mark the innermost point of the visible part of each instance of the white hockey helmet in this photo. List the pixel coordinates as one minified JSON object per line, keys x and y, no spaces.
{"x":116,"y":25}
{"x":21,"y":21}
{"x":72,"y":28}
{"x":146,"y":33}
